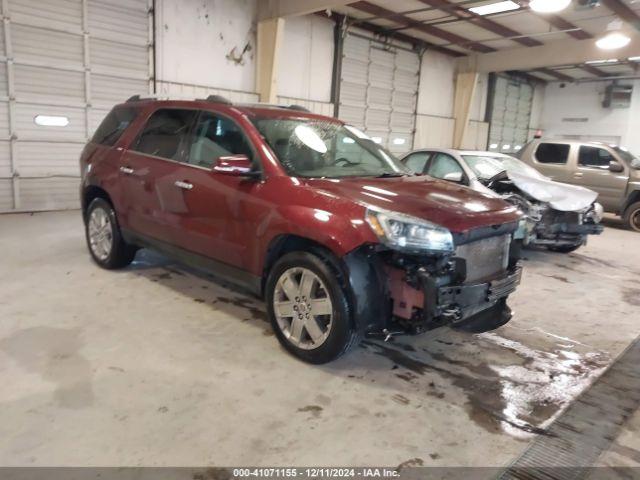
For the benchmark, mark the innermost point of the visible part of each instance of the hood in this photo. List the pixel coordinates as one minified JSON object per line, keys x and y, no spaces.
{"x":561,"y":196}
{"x":456,"y":208}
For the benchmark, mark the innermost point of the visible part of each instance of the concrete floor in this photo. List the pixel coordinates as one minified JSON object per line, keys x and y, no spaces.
{"x":154,"y":365}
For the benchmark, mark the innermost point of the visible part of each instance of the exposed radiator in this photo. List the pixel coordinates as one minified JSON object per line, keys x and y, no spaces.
{"x":485,"y":258}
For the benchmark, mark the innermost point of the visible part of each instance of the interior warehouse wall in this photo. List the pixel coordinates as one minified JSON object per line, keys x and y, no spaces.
{"x":435,"y":123}
{"x":209,"y":47}
{"x":576,"y":111}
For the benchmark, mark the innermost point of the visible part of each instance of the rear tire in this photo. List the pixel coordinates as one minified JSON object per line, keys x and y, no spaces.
{"x":104,"y":239}
{"x":309,"y":308}
{"x":491,"y":319}
{"x":632,"y":216}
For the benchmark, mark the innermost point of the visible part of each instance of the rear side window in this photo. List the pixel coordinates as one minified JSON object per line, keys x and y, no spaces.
{"x":417,"y":162}
{"x":165,"y":133}
{"x":557,"y":153}
{"x":114,"y":125}
{"x":443,"y":165}
{"x":594,"y":157}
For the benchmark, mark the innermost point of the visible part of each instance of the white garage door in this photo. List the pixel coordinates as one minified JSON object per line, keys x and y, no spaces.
{"x":511,"y":115}
{"x":379,"y":90}
{"x":63,"y":65}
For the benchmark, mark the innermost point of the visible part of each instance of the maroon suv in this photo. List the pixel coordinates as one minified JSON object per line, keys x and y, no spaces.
{"x":307,"y":212}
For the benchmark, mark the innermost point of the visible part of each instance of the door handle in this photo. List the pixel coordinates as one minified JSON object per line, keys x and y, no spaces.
{"x":578,"y":175}
{"x":126,"y":170}
{"x":183,"y":185}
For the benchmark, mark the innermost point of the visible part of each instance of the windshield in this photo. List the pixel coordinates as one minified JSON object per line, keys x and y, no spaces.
{"x":488,"y":167}
{"x":313,"y":148}
{"x":628,"y":157}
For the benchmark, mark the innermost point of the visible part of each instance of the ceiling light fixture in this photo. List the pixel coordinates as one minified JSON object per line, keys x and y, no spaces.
{"x":497,"y":7}
{"x":598,"y":62}
{"x":548,"y":6}
{"x":614,"y":38}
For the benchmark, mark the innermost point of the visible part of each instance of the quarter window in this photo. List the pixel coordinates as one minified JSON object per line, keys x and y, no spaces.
{"x":554,"y":153}
{"x":594,"y":157}
{"x":165,"y":133}
{"x":216,"y":137}
{"x":114,"y":125}
{"x":417,"y":162}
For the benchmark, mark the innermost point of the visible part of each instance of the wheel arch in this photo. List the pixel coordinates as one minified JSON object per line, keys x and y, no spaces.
{"x":632,"y":198}
{"x":361,"y":271}
{"x":90,"y":193}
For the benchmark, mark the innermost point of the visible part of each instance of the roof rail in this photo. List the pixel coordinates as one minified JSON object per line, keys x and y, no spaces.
{"x":165,"y":96}
{"x":218,"y":99}
{"x":300,"y":108}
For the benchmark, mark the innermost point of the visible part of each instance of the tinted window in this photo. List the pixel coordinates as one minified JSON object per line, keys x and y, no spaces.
{"x":594,"y":157}
{"x":552,"y":153}
{"x":215,"y":137}
{"x":417,"y":162}
{"x":114,"y":125}
{"x":443,"y":165}
{"x":165,"y":133}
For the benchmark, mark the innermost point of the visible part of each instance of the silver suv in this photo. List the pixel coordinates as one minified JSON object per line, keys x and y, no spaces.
{"x":610,"y":170}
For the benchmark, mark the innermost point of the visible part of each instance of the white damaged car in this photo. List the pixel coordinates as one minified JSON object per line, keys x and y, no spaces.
{"x":556,"y":215}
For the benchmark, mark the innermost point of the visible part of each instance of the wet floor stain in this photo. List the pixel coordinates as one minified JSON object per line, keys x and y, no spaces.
{"x":248,"y":304}
{"x":519,"y":392}
{"x":314,"y":410}
{"x":631,"y":296}
{"x":560,"y":278}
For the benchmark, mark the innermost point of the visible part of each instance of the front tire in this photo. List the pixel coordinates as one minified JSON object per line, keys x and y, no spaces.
{"x":632,"y":216}
{"x":309,"y":308}
{"x":106,"y":245}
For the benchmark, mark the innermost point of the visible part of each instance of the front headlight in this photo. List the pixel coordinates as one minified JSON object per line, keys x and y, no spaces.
{"x":404,"y":232}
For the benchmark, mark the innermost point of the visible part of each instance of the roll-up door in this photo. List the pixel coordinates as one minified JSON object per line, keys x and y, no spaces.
{"x":63,"y":65}
{"x":511,"y":114}
{"x":379,"y":90}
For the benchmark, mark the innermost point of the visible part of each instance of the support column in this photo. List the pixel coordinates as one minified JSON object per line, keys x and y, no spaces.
{"x":465,"y":90}
{"x":270,"y":34}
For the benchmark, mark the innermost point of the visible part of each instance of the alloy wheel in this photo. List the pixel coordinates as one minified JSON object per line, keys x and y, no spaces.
{"x":303,"y":308}
{"x":100,"y":233}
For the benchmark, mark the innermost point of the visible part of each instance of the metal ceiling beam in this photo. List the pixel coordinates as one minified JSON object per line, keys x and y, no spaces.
{"x":594,"y":71}
{"x":558,"y":52}
{"x":562,"y":24}
{"x":527,"y":76}
{"x":401,"y":19}
{"x":552,"y":73}
{"x":482,"y":22}
{"x":288,"y":8}
{"x":624,"y":11}
{"x":378,"y":30}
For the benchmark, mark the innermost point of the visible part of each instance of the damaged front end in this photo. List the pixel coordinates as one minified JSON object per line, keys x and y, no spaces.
{"x":421,"y":292}
{"x":545,"y":226}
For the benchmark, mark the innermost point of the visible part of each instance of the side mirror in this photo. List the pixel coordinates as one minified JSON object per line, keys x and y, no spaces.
{"x":615,"y":167}
{"x":235,"y":165}
{"x":455,"y":177}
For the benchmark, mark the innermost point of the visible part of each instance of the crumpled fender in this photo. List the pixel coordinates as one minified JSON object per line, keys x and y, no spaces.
{"x":560,"y":196}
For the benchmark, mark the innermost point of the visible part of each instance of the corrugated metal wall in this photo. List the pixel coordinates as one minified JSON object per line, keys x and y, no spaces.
{"x":70,"y":60}
{"x":379,"y":91}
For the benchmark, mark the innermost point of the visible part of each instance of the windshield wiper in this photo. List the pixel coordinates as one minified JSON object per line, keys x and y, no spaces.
{"x":391,"y":175}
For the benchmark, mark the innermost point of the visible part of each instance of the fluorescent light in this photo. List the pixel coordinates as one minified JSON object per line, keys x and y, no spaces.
{"x":597,"y":62}
{"x":506,"y":147}
{"x":517,"y":148}
{"x":497,"y":7}
{"x":493,"y":146}
{"x":634,"y":59}
{"x":613,"y":40}
{"x":548,"y":6}
{"x":51,"y":121}
{"x":399,"y":141}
